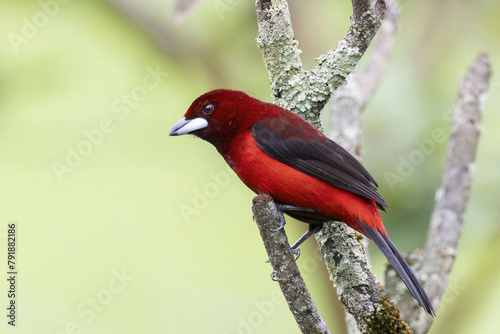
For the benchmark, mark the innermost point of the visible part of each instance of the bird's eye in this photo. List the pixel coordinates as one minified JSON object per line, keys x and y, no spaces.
{"x":208,"y":108}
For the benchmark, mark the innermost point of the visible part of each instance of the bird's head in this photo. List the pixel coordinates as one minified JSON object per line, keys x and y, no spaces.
{"x":217,"y":116}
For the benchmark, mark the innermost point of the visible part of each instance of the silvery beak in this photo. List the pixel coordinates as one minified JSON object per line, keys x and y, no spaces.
{"x":184,"y":126}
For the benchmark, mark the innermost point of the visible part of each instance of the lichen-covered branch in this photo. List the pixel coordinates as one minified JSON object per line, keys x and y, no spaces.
{"x":285,"y":269}
{"x":365,"y":21}
{"x":358,"y":288}
{"x":436,"y":261}
{"x":280,"y":49}
{"x":307,"y":92}
{"x":349,"y":100}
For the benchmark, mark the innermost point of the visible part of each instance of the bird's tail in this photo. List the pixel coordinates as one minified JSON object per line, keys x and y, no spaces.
{"x":399,"y":264}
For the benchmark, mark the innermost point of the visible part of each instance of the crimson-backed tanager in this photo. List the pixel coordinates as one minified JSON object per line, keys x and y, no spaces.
{"x":310,"y":177}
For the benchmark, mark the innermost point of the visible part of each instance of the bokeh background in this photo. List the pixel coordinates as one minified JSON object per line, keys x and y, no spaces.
{"x":122,"y":229}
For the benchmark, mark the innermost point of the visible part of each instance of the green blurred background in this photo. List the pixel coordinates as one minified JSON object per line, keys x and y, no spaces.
{"x":143,"y":233}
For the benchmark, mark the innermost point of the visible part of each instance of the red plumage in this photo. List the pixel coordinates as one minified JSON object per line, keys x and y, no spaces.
{"x":286,"y":185}
{"x":274,"y":151}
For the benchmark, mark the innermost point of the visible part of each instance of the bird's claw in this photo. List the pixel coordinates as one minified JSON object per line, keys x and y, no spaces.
{"x":282,"y":224}
{"x":295,"y":251}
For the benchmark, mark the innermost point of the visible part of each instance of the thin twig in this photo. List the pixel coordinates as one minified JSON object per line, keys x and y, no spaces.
{"x":158,"y":29}
{"x":181,"y":9}
{"x":285,"y":270}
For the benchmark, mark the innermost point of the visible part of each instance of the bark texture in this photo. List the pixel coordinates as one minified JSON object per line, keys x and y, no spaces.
{"x":285,"y":270}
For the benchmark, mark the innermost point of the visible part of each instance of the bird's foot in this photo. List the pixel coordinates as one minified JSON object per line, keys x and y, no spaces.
{"x":295,"y":251}
{"x":282,"y":222}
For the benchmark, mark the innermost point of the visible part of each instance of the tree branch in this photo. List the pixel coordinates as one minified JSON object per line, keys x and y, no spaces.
{"x":453,"y":194}
{"x":349,"y":100}
{"x":358,"y":288}
{"x":306,"y":92}
{"x":181,"y":9}
{"x":285,"y":269}
{"x":383,"y":46}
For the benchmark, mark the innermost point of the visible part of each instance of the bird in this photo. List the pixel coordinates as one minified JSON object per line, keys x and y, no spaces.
{"x":309,"y":176}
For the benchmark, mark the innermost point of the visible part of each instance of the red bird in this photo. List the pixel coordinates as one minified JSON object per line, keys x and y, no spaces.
{"x":310,"y":177}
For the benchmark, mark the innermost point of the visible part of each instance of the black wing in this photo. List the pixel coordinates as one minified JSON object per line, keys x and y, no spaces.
{"x":321,"y":157}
